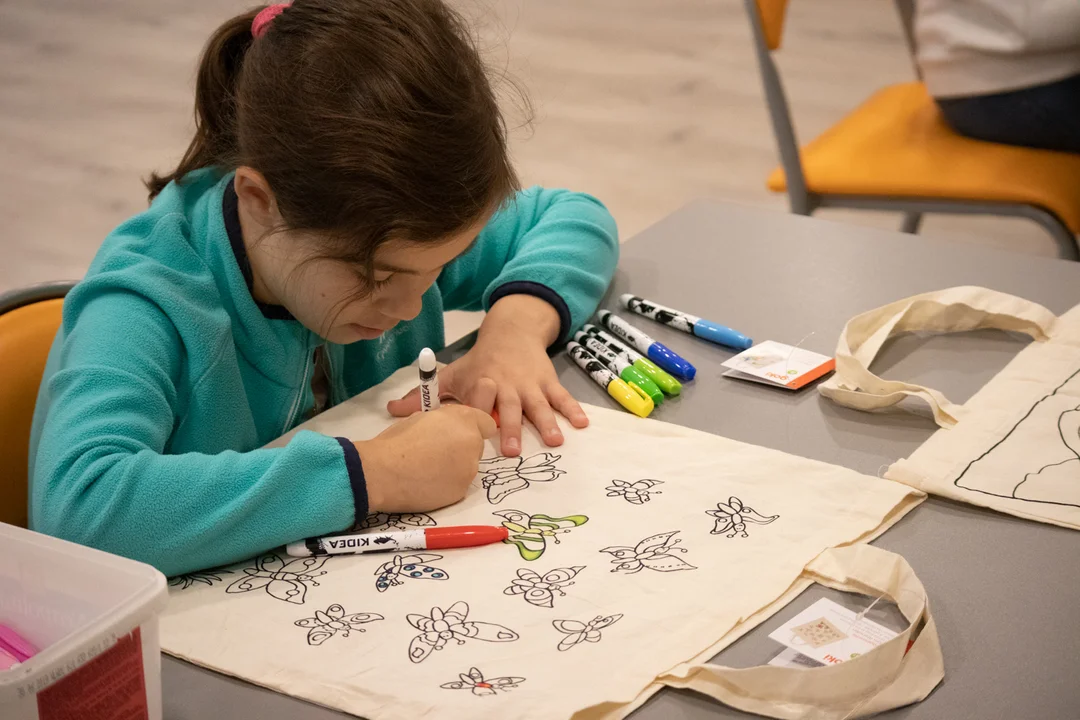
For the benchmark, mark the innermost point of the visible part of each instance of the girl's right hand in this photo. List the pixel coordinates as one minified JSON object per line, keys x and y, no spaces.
{"x":426,"y":461}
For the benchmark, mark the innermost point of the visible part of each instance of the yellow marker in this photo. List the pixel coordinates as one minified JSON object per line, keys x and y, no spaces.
{"x":628,"y":395}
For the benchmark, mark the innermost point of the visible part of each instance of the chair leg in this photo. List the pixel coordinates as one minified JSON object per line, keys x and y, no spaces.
{"x":911,"y":223}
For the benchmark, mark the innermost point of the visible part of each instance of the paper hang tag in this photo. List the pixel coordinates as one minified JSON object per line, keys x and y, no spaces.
{"x":831,"y":634}
{"x":780,"y":365}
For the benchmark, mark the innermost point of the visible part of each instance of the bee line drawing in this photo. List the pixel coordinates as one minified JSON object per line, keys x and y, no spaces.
{"x":578,"y":632}
{"x":408,"y":567}
{"x":733,"y":516}
{"x":474,"y":680}
{"x":441,"y":626}
{"x":530,"y":533}
{"x":207,"y":577}
{"x":502,"y":476}
{"x":653,"y":553}
{"x":540,"y":590}
{"x":636,"y":493}
{"x":282,"y":580}
{"x":326,"y":624}
{"x":395,"y":521}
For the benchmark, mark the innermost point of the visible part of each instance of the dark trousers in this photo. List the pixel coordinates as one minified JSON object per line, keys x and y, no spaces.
{"x":1044,"y":116}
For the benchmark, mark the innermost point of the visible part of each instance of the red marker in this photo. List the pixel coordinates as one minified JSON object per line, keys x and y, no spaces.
{"x":427,"y":539}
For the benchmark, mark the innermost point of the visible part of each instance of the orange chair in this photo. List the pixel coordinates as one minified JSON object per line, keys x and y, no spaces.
{"x":29,"y":319}
{"x":895,"y":152}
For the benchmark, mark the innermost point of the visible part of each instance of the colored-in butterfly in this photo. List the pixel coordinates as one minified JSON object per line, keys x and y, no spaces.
{"x":635,"y":493}
{"x":328,"y":624}
{"x":408,"y":566}
{"x":203,"y":576}
{"x":475,"y":681}
{"x":579,"y":632}
{"x":505,"y":475}
{"x":540,"y":591}
{"x":283,"y":580}
{"x":733,"y":516}
{"x":451,"y":624}
{"x":654,"y":553}
{"x":395,"y":521}
{"x":531,"y":532}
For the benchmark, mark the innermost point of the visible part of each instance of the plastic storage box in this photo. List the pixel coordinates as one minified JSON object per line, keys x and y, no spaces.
{"x":93,"y":618}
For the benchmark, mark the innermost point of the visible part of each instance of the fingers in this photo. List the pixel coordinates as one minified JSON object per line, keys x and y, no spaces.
{"x":410,"y":402}
{"x":542,"y":416}
{"x":407,"y":405}
{"x":510,"y":422}
{"x":562,"y":401}
{"x":483,"y":393}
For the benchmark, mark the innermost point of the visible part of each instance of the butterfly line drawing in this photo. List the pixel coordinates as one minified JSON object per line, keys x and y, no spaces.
{"x":540,"y":590}
{"x":451,"y":624}
{"x":733,"y":516}
{"x":530,"y":533}
{"x":286,"y":581}
{"x":503,"y":476}
{"x":652,"y":553}
{"x":475,"y":681}
{"x":636,"y":493}
{"x":204,"y":576}
{"x":395,"y":521}
{"x":327,"y":624}
{"x":413,"y":567}
{"x":578,"y":632}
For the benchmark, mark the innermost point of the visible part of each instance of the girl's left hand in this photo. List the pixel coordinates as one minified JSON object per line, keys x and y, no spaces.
{"x":508,"y":370}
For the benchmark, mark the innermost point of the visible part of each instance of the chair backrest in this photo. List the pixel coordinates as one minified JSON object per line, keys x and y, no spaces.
{"x":29,"y":320}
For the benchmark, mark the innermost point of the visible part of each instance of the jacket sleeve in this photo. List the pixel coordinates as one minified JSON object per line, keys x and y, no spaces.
{"x":102,"y":476}
{"x":556,"y":244}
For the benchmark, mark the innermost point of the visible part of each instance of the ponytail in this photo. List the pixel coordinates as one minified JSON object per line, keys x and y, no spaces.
{"x":215,"y":142}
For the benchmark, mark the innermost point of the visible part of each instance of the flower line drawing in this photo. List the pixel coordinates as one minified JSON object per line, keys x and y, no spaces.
{"x":326,"y":624}
{"x":652,"y":553}
{"x":578,"y":632}
{"x":480,"y":687}
{"x":282,"y":580}
{"x":502,"y":476}
{"x":733,"y":516}
{"x":441,"y":626}
{"x":637,"y":493}
{"x":540,"y":590}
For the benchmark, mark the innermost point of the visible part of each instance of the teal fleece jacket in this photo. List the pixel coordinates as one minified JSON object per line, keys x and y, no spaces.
{"x":166,"y":377}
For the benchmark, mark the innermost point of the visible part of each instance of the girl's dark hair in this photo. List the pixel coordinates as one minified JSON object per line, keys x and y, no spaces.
{"x":370,"y":120}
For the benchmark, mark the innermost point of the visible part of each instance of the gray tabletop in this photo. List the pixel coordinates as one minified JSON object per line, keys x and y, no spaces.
{"x":1004,"y":591}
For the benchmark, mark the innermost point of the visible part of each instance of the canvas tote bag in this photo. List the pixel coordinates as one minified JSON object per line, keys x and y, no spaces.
{"x":637,"y":550}
{"x":1015,"y":445}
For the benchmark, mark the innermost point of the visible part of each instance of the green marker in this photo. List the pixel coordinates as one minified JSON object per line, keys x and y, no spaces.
{"x":660,"y":378}
{"x":619,"y":365}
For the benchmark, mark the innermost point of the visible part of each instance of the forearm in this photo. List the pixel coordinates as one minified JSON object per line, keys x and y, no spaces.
{"x":192,"y":511}
{"x":525,"y":317}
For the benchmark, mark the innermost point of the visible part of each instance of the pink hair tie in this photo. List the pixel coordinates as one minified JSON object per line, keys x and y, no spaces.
{"x":262,"y":20}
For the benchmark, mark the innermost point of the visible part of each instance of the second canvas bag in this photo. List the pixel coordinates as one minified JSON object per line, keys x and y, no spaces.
{"x":1015,"y":445}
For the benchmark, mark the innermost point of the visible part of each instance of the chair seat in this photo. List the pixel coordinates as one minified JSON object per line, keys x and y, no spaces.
{"x":896,"y":144}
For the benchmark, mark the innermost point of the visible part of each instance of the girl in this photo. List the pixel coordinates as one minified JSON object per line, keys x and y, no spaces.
{"x":348,"y":182}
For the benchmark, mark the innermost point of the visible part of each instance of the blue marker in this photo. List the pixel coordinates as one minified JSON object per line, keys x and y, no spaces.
{"x":687,"y":323}
{"x":664,"y":357}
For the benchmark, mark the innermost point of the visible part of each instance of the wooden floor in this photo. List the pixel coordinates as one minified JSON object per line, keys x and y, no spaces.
{"x":646,"y":104}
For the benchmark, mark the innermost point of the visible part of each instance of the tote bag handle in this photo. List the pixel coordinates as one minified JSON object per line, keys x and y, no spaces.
{"x":889,"y":676}
{"x":956,"y":309}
